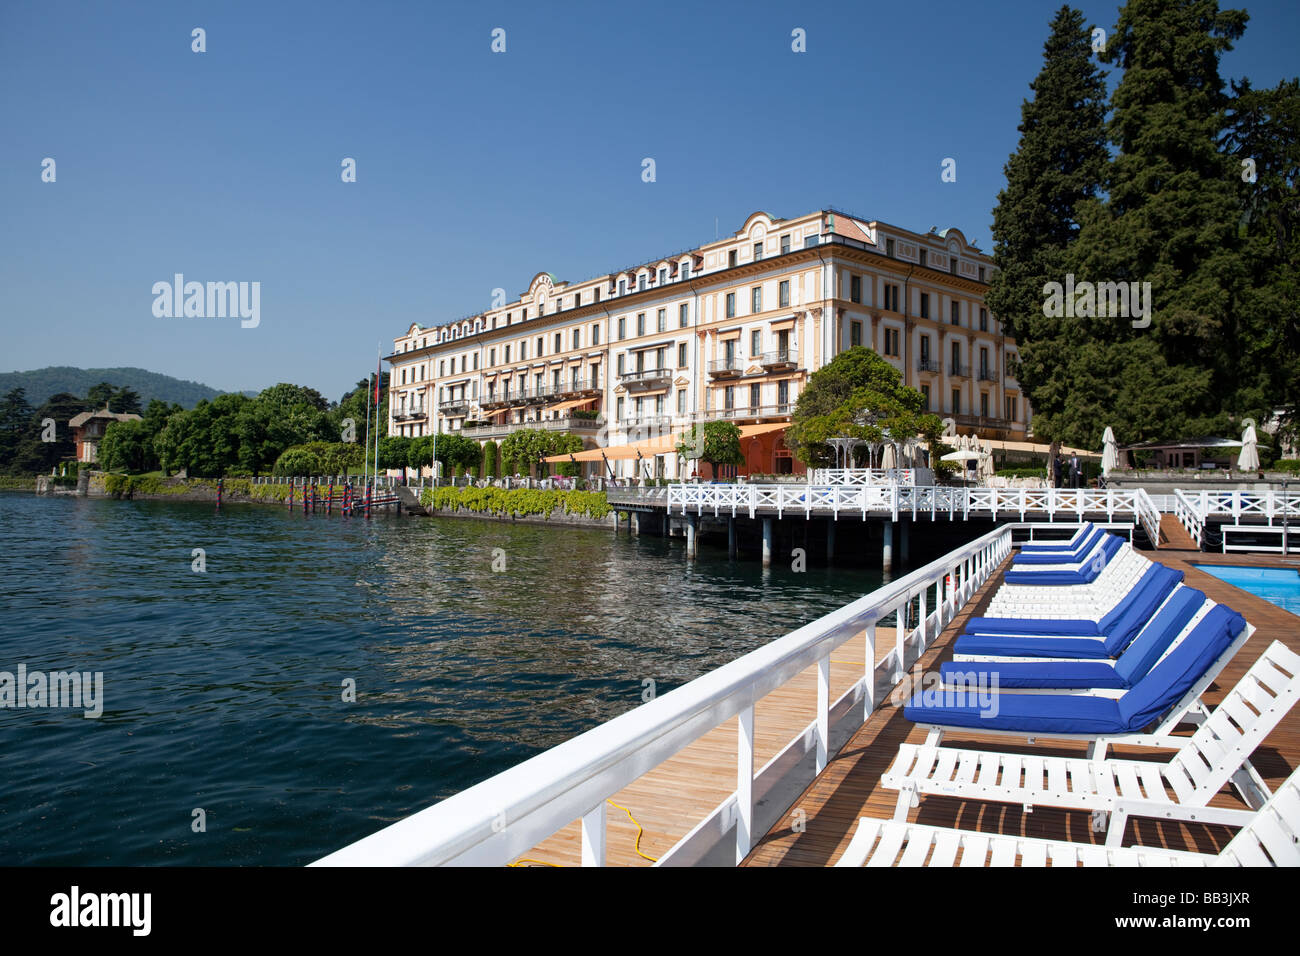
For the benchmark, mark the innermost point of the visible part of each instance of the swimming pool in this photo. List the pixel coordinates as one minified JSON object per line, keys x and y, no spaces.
{"x":1280,"y":586}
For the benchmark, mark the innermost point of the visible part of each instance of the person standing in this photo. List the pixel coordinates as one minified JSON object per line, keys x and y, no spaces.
{"x":1074,"y":471}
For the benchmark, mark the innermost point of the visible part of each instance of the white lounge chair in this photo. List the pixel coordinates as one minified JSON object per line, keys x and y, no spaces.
{"x":1268,"y":837}
{"x":1218,"y":752}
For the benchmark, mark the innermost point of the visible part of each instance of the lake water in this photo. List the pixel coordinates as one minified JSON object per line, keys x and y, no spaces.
{"x":223,"y":690}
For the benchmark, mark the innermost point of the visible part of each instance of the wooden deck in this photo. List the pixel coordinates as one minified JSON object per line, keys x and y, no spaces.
{"x":672,"y":798}
{"x":850,"y":786}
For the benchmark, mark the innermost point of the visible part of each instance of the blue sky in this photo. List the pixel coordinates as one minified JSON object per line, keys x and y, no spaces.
{"x":474,"y":170}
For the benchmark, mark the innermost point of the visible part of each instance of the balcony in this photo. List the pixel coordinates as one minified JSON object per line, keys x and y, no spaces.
{"x":580,"y":387}
{"x":984,"y":423}
{"x":957,"y":370}
{"x":725,"y":367}
{"x":744,"y":412}
{"x":456,"y":406}
{"x":781,"y":358}
{"x":646,"y":379}
{"x":929,"y":365}
{"x":986,"y":375}
{"x":550,"y":425}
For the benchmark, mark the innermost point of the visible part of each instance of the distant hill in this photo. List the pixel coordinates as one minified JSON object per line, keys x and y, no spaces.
{"x":41,"y":383}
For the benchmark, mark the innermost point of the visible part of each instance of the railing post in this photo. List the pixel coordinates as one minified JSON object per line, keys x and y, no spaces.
{"x":869,"y":683}
{"x":823,"y":711}
{"x":744,"y":782}
{"x":900,"y":633}
{"x":593,"y":836}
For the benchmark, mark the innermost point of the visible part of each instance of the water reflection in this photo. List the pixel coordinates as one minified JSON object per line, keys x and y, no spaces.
{"x":224,"y":689}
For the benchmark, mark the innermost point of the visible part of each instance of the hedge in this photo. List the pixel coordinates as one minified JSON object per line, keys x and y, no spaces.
{"x":519,"y":502}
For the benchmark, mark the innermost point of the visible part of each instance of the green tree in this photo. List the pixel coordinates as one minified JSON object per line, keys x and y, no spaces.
{"x":126,"y":446}
{"x":1059,"y":163}
{"x":126,"y":401}
{"x":1169,"y":218}
{"x":490,"y":469}
{"x":858,"y":395}
{"x":98,"y":396}
{"x":714,"y":443}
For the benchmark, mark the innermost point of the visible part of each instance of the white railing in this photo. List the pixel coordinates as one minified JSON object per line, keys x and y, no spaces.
{"x":1272,"y":506}
{"x":1060,"y":504}
{"x":1189,"y":515}
{"x":504,"y":817}
{"x":873,"y":476}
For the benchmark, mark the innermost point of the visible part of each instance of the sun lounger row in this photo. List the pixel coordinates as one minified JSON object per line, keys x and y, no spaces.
{"x":1130,"y":674}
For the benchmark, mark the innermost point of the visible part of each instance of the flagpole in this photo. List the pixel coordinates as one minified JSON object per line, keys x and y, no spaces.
{"x":379,"y":378}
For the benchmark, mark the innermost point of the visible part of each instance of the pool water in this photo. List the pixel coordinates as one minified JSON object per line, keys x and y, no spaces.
{"x":1280,"y":586}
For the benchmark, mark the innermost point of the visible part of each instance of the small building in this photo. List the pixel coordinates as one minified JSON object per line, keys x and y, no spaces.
{"x":1205,"y":452}
{"x":88,"y":430}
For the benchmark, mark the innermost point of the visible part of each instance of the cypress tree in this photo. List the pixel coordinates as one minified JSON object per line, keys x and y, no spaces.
{"x":1059,"y":163}
{"x":1170,"y":219}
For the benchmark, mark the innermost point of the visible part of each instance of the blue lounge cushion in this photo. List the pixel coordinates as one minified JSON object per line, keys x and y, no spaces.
{"x":1071,"y":556}
{"x":1132,"y":666}
{"x":1138,"y":707}
{"x":1025,"y":645}
{"x":1035,"y":547}
{"x":1085,"y":575}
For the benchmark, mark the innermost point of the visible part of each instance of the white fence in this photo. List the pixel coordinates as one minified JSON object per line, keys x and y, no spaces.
{"x":1264,"y":513}
{"x":506,"y":816}
{"x":873,"y":476}
{"x":933,"y":501}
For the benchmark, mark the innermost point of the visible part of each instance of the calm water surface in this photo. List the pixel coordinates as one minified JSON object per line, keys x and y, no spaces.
{"x":223,"y":690}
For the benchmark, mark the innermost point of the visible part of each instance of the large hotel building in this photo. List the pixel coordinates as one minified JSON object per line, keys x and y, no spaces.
{"x":729,"y":330}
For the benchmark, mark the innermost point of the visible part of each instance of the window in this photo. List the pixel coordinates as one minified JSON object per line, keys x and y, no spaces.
{"x":618,"y":412}
{"x":685,"y":270}
{"x":782,"y":393}
{"x":984,"y":320}
{"x":758,"y":251}
{"x":925,"y":305}
{"x":922,"y":258}
{"x":622,"y":327}
{"x":541,"y":342}
{"x":855,"y":288}
{"x":756,"y":299}
{"x":891,"y":297}
{"x":640,"y":324}
{"x":595,"y":335}
{"x":1011,"y":408}
{"x":662,"y":320}
{"x":952,"y":264}
{"x":984,"y":404}
{"x":956,"y":401}
{"x":682,"y":312}
{"x":984,"y":363}
{"x":622,"y":287}
{"x":925,"y":349}
{"x":891,"y":341}
{"x":577,"y":338}
{"x":731,"y":259}
{"x":755,"y":342}
{"x":595,"y":294}
{"x":809,"y":241}
{"x":925,"y":397}
{"x":475,"y":365}
{"x":729,"y":398}
{"x":441,"y":369}
{"x":663,"y":274}
{"x":855,"y":333}
{"x":681,"y":401}
{"x":595,"y":375}
{"x":523,"y":350}
{"x":785,"y":243}
{"x":641,"y":282}
{"x":681,"y":355}
{"x":731,"y":305}
{"x":889,"y":248}
{"x":507,"y":358}
{"x":783,"y":294}
{"x":622,"y":363}
{"x":981,"y":273}
{"x":956,"y":358}
{"x":754,"y":392}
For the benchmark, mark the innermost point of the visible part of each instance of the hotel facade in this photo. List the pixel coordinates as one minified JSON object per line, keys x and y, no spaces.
{"x":730,"y":330}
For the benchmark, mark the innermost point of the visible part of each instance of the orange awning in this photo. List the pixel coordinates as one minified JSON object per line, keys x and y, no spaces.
{"x":571,"y":403}
{"x":751,"y":431}
{"x":660,"y":445}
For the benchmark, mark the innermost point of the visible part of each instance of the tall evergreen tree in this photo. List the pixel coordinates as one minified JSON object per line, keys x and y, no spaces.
{"x":1059,"y":163}
{"x":1170,"y":219}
